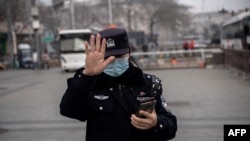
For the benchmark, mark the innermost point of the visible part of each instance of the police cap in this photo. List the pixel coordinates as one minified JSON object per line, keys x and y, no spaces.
{"x":116,"y":41}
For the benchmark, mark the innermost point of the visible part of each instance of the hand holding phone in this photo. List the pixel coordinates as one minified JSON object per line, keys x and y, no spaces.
{"x":146,"y":106}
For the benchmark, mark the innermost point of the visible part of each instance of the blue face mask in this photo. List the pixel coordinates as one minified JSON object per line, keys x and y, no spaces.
{"x":117,"y":67}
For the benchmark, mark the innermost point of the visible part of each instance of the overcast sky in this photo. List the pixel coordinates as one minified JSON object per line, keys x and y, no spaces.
{"x":215,"y":5}
{"x":208,"y":5}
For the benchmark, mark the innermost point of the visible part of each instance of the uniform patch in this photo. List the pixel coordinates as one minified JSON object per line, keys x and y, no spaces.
{"x":101,"y":97}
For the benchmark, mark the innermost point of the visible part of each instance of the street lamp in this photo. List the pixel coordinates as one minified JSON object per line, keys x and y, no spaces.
{"x":72,"y":12}
{"x":36,"y":27}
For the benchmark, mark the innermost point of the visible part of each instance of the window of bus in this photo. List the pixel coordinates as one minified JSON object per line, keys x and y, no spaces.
{"x":73,"y":43}
{"x":246,"y":24}
{"x":233,"y":31}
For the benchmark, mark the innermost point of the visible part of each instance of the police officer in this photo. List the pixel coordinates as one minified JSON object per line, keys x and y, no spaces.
{"x":109,"y":90}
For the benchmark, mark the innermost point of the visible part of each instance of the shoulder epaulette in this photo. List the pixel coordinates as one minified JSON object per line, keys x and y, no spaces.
{"x":154,"y":83}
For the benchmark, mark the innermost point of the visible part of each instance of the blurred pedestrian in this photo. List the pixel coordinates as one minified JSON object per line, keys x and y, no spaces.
{"x":108,"y":92}
{"x":132,"y":47}
{"x":192,"y":44}
{"x":46,"y":59}
{"x":17,"y":65}
{"x":145,"y":47}
{"x":185,"y":45}
{"x":34,"y":59}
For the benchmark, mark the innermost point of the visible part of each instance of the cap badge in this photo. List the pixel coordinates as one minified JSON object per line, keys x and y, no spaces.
{"x":110,"y":43}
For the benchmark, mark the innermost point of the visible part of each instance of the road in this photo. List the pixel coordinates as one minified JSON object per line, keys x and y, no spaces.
{"x":202,"y":99}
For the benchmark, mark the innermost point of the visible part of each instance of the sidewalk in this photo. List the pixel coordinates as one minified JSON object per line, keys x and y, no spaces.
{"x":202,"y":99}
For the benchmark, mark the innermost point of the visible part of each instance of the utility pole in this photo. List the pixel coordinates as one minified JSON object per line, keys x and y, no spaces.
{"x":129,"y":19}
{"x":10,"y":38}
{"x":36,"y":26}
{"x":58,"y":4}
{"x":110,"y":12}
{"x":72,"y":12}
{"x":129,"y":8}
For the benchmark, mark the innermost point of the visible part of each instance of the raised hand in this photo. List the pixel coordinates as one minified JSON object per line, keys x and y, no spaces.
{"x":95,"y":61}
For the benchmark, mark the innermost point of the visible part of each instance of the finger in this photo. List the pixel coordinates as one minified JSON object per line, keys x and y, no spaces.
{"x":97,"y":44}
{"x":140,"y":121}
{"x":86,"y":47}
{"x":103,"y":48}
{"x":151,"y":118}
{"x":92,"y":43}
{"x":145,"y":113}
{"x":109,"y":60}
{"x":139,"y":126}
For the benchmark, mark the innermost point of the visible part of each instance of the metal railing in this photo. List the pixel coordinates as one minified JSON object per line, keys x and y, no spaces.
{"x":238,"y":60}
{"x":175,"y":59}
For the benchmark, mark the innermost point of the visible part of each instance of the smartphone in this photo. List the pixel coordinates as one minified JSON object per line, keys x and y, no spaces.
{"x":146,"y":106}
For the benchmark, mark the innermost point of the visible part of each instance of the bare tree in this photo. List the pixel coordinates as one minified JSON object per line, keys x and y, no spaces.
{"x":165,"y":13}
{"x":102,"y":14}
{"x":130,"y":14}
{"x":2,"y":11}
{"x":48,"y":18}
{"x":20,"y":17}
{"x":84,"y":16}
{"x":20,"y":10}
{"x":15,"y":14}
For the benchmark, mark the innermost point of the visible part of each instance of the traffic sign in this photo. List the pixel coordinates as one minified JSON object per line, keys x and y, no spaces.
{"x":48,"y":39}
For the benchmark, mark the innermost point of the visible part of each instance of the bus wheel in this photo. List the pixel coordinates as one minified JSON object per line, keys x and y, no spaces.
{"x":66,"y":70}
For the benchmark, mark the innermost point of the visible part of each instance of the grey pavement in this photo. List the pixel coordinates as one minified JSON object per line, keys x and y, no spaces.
{"x":202,"y":99}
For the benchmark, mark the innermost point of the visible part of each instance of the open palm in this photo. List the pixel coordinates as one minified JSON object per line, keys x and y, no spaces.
{"x":95,"y":62}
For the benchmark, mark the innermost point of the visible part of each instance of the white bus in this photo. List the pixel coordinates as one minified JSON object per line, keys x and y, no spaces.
{"x":72,"y":49}
{"x":236,"y":32}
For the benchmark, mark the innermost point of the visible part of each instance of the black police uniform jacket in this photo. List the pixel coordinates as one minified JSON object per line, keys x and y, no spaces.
{"x":106,"y":103}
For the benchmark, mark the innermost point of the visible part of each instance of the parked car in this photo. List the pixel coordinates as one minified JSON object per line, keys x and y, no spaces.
{"x":25,"y":56}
